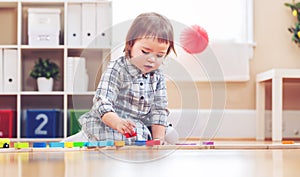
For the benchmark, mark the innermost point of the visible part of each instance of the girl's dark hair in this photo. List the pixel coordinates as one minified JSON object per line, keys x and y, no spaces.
{"x":150,"y":25}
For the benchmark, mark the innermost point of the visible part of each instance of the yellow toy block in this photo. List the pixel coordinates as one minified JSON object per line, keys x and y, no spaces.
{"x":119,"y":143}
{"x":4,"y":142}
{"x":21,"y":145}
{"x":69,"y":144}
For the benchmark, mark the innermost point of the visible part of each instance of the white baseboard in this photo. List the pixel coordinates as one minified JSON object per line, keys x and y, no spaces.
{"x":230,"y":123}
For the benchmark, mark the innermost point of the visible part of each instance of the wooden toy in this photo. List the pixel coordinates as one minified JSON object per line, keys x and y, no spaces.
{"x":208,"y":143}
{"x":21,"y":145}
{"x":128,"y":135}
{"x":91,"y":144}
{"x":119,"y":143}
{"x":69,"y":144}
{"x":140,"y":142}
{"x":288,"y":142}
{"x":78,"y":144}
{"x":153,"y":142}
{"x":4,"y":142}
{"x":56,"y":145}
{"x":39,"y":145}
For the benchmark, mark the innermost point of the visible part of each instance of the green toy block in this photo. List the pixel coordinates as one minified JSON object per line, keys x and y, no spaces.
{"x":78,"y":144}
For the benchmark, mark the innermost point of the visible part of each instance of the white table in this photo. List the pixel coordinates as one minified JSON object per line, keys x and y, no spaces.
{"x":276,"y":76}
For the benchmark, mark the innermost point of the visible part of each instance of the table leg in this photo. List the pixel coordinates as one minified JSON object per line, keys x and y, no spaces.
{"x":260,"y":111}
{"x":277,"y":109}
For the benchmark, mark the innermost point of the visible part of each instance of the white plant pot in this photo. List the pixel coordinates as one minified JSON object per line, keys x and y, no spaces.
{"x":44,"y":84}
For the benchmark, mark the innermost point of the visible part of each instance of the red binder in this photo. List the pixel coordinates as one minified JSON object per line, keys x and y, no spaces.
{"x":7,"y":124}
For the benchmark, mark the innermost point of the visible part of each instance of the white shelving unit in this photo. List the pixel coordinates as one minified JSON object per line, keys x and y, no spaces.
{"x":13,"y":35}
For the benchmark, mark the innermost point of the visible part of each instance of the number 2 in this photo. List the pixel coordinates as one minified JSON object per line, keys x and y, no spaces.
{"x":38,"y":130}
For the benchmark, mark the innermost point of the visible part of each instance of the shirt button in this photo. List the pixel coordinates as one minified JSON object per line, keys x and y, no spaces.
{"x":142,"y":97}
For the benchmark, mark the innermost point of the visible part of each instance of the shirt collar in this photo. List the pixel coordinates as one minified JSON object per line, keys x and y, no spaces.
{"x":134,"y":71}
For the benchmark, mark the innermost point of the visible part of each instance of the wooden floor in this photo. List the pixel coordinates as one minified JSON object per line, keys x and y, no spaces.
{"x":229,"y":159}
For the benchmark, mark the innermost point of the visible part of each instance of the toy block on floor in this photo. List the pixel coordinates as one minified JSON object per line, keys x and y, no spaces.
{"x":119,"y":143}
{"x":78,"y":144}
{"x":69,"y":144}
{"x":92,"y":144}
{"x":288,"y":142}
{"x":56,"y":145}
{"x":102,"y":143}
{"x":209,"y":143}
{"x":153,"y":142}
{"x":21,"y":145}
{"x":140,"y":142}
{"x":4,"y":142}
{"x":110,"y":143}
{"x":39,"y":145}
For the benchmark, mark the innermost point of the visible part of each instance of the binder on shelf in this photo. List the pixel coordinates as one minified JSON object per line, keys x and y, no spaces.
{"x":10,"y":70}
{"x":1,"y":70}
{"x":103,"y":25}
{"x":43,"y":123}
{"x":88,"y":24}
{"x":80,"y":76}
{"x":70,"y":74}
{"x":74,"y":25}
{"x":74,"y":126}
{"x":7,"y":124}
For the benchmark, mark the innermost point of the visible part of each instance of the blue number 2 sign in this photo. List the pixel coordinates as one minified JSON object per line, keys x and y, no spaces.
{"x":39,"y":130}
{"x":41,"y":123}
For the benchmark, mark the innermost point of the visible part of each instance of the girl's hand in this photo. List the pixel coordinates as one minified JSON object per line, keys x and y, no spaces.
{"x":125,"y":126}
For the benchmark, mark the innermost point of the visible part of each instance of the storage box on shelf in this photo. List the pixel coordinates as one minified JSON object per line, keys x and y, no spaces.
{"x":43,"y":26}
{"x":44,"y":29}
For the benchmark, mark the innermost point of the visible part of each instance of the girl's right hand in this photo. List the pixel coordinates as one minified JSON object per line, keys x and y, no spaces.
{"x":125,"y":126}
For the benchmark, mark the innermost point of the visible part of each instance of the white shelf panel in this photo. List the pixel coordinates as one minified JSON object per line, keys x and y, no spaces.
{"x":80,"y":93}
{"x":8,"y":93}
{"x":42,"y":47}
{"x":42,"y":93}
{"x":9,"y":46}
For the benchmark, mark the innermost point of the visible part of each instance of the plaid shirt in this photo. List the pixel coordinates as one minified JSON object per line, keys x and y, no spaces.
{"x":123,"y":89}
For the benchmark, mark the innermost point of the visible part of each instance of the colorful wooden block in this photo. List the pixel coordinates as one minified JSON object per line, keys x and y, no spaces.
{"x":78,"y":144}
{"x":119,"y":143}
{"x":21,"y":145}
{"x":4,"y":142}
{"x":102,"y":143}
{"x":140,"y":142}
{"x":153,"y":142}
{"x":69,"y":144}
{"x":208,"y":143}
{"x":110,"y":143}
{"x":92,"y":144}
{"x":288,"y":142}
{"x":39,"y":145}
{"x":56,"y":145}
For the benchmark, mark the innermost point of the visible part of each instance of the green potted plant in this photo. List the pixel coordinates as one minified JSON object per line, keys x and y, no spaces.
{"x":45,"y":71}
{"x":295,"y":30}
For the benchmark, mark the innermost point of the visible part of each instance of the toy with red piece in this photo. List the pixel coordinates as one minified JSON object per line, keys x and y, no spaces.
{"x":128,"y":135}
